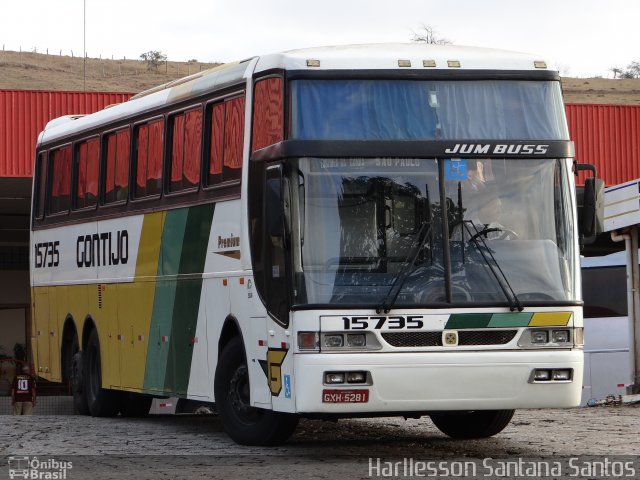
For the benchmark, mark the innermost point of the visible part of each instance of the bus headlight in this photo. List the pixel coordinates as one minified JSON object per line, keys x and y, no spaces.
{"x":560,"y":336}
{"x":551,"y":337}
{"x":333,"y":341}
{"x":356,"y":340}
{"x":348,"y":342}
{"x":539,"y":336}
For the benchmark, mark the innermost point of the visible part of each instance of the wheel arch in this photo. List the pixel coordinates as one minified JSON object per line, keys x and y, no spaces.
{"x":87,"y":327}
{"x":69,"y":333}
{"x":230,"y":329}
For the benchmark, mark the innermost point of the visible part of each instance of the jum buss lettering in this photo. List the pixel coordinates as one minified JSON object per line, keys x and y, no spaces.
{"x":102,"y":249}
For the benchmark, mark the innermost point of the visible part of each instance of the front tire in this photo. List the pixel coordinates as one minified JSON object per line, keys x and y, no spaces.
{"x":246,"y":425}
{"x":476,"y":424}
{"x":100,"y":401}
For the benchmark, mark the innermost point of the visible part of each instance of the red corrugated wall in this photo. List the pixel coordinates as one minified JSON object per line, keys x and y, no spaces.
{"x":607,"y":136}
{"x":24,"y":113}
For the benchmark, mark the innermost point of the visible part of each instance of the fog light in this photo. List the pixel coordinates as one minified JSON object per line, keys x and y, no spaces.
{"x":542,"y":375}
{"x":308,"y":341}
{"x":357,"y":340}
{"x":562,"y":375}
{"x":356,"y":377}
{"x":560,"y":336}
{"x":333,"y":377}
{"x":539,"y":336}
{"x":333,"y":341}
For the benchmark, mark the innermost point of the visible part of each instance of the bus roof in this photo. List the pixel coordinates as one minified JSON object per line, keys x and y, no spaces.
{"x":412,"y":56}
{"x":421,"y":56}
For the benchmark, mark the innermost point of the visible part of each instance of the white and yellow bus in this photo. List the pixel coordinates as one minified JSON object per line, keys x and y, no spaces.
{"x":333,"y":232}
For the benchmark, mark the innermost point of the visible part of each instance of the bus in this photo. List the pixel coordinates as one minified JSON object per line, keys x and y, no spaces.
{"x":353,"y":231}
{"x":607,"y":327}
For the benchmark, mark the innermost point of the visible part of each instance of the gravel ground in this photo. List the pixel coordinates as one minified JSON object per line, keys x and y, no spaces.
{"x":196,"y":447}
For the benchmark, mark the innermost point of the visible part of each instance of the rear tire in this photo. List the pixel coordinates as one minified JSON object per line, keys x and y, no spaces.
{"x":101,"y":401}
{"x":476,"y":424}
{"x":77,"y":385}
{"x":246,"y":425}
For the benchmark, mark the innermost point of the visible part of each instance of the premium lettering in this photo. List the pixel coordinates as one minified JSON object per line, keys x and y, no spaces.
{"x":228,"y":242}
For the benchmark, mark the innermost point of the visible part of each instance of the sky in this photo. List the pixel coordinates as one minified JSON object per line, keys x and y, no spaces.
{"x":583,"y":37}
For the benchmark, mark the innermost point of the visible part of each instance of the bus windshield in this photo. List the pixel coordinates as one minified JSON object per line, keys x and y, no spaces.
{"x":361,"y":224}
{"x":427,"y":110}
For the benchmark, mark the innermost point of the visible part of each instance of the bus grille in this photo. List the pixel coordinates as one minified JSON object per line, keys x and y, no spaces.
{"x":434,"y":339}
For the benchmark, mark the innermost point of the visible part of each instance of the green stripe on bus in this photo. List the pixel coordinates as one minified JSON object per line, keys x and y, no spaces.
{"x":164,"y":300}
{"x":187,"y":298}
{"x":510,"y":319}
{"x":468,"y":320}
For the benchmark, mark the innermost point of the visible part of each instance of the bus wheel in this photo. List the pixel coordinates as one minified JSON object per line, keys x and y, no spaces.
{"x":246,"y":425}
{"x":101,"y":401}
{"x":477,"y":424}
{"x":135,"y":404}
{"x":77,"y":385}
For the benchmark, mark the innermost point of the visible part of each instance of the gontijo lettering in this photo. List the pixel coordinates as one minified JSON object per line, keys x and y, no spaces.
{"x":100,"y":249}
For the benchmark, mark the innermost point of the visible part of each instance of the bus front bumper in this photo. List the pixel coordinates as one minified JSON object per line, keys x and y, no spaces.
{"x":423,"y":382}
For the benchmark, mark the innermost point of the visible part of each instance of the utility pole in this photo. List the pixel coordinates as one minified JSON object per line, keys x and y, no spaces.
{"x":84,"y":47}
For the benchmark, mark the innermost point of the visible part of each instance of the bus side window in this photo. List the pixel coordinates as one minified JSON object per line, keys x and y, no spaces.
{"x":226,"y":121}
{"x":233,"y":139}
{"x":40,"y":188}
{"x":87,"y":172}
{"x":60,"y":198}
{"x":186,"y":149}
{"x":275,"y":237}
{"x":149,"y":143}
{"x":268,"y":112}
{"x":116,"y":186}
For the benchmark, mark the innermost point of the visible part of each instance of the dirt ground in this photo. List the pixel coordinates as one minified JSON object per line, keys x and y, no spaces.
{"x":601,"y":91}
{"x":37,"y":71}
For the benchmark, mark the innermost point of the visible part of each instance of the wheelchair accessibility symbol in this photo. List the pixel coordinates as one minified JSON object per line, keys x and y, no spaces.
{"x":455,"y":169}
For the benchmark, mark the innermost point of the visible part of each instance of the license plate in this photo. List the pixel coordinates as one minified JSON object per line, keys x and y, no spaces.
{"x":345,"y":396}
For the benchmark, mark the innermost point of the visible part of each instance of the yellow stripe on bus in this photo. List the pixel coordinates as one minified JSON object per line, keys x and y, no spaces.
{"x":149,"y":250}
{"x":545,"y":319}
{"x":135,"y":305}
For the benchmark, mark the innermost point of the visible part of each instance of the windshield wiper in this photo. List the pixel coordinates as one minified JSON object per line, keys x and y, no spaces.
{"x":484,"y":232}
{"x":514,"y":302}
{"x":390,"y":298}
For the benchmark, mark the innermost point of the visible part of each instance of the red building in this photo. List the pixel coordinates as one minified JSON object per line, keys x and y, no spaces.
{"x":607,"y":136}
{"x":23,"y":115}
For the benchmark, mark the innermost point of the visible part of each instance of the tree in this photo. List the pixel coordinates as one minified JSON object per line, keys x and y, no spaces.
{"x":634,"y":69}
{"x":427,"y":34}
{"x":153,"y":59}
